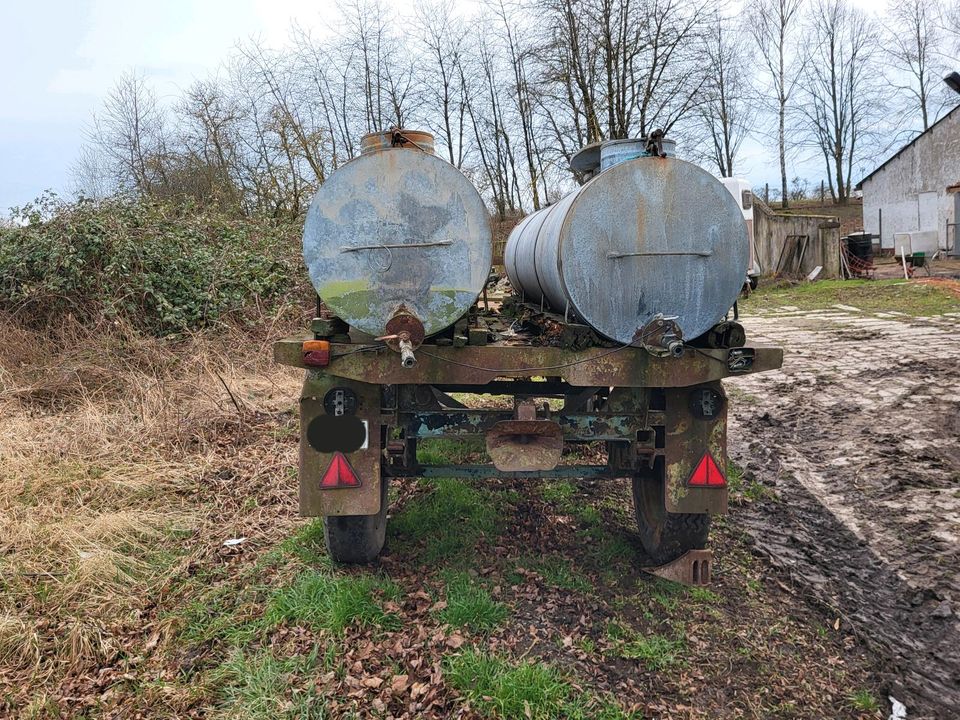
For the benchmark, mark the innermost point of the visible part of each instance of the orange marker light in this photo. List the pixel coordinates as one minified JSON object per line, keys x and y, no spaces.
{"x":316,"y":353}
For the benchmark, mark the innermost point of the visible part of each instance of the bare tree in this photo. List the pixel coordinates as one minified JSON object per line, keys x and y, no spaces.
{"x":444,"y":39}
{"x":129,"y":135}
{"x":841,"y":105}
{"x":727,"y":110}
{"x":774,"y":25}
{"x":914,"y":37}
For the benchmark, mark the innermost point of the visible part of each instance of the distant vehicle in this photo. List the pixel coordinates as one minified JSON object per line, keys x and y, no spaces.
{"x":740,"y":189}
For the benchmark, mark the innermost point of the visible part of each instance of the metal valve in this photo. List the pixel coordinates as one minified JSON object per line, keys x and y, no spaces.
{"x":404,"y":345}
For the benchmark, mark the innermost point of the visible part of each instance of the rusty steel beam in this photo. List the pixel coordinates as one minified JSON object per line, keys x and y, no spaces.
{"x":575,"y":426}
{"x":480,"y":365}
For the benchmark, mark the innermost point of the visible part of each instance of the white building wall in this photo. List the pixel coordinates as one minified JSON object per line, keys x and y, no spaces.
{"x":930,"y":164}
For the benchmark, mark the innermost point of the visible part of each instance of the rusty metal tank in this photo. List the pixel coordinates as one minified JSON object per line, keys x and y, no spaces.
{"x":398,"y":233}
{"x":649,"y":236}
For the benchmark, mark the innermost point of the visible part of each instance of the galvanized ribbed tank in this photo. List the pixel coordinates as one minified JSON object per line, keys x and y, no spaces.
{"x":645,"y":237}
{"x":398,"y":231}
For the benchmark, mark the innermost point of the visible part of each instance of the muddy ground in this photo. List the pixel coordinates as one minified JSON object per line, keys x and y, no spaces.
{"x":855,"y":441}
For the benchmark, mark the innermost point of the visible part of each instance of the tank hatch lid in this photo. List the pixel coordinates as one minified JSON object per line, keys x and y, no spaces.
{"x":587,"y":159}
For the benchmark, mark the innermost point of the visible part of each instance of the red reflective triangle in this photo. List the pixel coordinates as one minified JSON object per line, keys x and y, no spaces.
{"x":707,"y":473}
{"x":339,"y":474}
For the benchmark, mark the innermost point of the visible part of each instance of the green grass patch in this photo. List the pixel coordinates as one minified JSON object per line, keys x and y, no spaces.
{"x":703,"y":595}
{"x":556,"y":571}
{"x":307,"y":544}
{"x":657,"y":652}
{"x":329,"y":602}
{"x":588,"y":515}
{"x":559,"y":493}
{"x":449,"y":519}
{"x":665,"y":593}
{"x":610,"y":548}
{"x":743,"y":488}
{"x":497,"y":687}
{"x":444,"y":451}
{"x":262,"y":687}
{"x":218,"y":616}
{"x":469,"y":604}
{"x":911,"y":298}
{"x":864,"y":700}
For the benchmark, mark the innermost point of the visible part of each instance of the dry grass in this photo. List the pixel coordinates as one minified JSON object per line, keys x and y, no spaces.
{"x":122,"y":458}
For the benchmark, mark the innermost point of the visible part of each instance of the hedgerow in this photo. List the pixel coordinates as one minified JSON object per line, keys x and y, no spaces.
{"x":160,"y":267}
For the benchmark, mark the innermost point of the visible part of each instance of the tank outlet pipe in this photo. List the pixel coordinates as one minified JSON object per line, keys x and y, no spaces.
{"x":407,"y":358}
{"x":401,"y":342}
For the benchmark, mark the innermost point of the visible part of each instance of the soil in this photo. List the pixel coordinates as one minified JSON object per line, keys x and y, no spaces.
{"x":856,"y":438}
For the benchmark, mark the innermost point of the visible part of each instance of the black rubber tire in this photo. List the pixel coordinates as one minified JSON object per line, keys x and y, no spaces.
{"x":665,"y":536}
{"x":357,"y":539}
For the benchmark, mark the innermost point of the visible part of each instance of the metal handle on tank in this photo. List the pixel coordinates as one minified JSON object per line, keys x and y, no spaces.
{"x":696,"y":253}
{"x":394,"y":246}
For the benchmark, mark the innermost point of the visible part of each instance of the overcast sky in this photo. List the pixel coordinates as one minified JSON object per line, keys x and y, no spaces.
{"x":59,"y":58}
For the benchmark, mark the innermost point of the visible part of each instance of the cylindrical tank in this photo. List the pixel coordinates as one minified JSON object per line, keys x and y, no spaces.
{"x":648,"y":236}
{"x":614,"y":152}
{"x":398,"y":232}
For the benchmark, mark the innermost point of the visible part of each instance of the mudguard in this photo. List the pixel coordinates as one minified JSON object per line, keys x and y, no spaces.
{"x":689,"y":437}
{"x":352,"y":432}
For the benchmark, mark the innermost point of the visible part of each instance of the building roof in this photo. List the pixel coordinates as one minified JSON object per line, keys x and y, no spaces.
{"x":899,"y":152}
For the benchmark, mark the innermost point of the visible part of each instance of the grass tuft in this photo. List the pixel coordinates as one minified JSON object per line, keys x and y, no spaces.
{"x":556,"y":571}
{"x":497,"y":687}
{"x":656,"y":652}
{"x":559,"y":493}
{"x":449,"y":519}
{"x":327,"y":602}
{"x":469,"y":605}
{"x":263,"y":687}
{"x":865,"y":701}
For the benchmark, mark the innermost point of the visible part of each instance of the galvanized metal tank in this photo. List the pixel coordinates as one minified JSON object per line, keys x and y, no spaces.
{"x":398,"y":232}
{"x":645,"y":237}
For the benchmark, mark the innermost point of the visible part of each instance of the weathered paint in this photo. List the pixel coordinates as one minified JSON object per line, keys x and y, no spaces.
{"x":687,"y":439}
{"x":398,"y":228}
{"x":364,"y":500}
{"x":663,"y":232}
{"x":574,"y":426}
{"x":477,"y":365}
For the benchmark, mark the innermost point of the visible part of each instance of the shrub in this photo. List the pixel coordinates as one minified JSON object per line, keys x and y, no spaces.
{"x":160,"y":267}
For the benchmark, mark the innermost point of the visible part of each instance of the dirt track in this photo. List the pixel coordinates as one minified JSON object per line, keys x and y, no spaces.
{"x":857,"y":437}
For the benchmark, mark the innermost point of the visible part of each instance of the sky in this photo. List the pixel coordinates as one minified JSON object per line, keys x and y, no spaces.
{"x":60,"y":58}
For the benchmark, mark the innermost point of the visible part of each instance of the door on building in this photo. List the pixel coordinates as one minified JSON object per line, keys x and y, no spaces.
{"x":927,"y":218}
{"x":927,"y":211}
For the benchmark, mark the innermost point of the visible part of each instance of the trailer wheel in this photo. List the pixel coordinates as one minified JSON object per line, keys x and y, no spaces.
{"x":357,"y":538}
{"x":664,"y":535}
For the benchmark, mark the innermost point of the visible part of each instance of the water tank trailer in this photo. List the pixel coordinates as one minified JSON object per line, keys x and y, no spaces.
{"x":647,"y":257}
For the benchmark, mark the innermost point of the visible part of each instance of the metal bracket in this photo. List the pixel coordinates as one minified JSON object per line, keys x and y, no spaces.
{"x":692,"y":568}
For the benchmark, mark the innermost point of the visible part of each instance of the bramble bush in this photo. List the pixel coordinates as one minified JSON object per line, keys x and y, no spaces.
{"x":161,"y":267}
